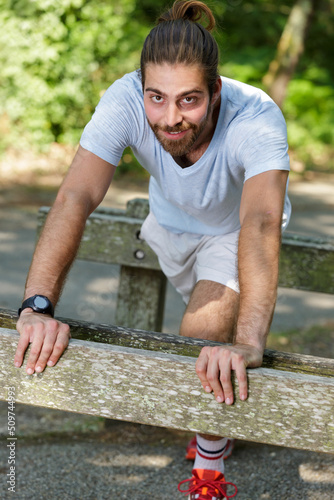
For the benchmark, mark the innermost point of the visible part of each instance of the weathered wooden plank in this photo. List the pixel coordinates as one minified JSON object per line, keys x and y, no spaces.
{"x":138,"y":208}
{"x":112,"y":239}
{"x":175,"y":344}
{"x":306,"y":263}
{"x":141,"y":298}
{"x":286,"y":409}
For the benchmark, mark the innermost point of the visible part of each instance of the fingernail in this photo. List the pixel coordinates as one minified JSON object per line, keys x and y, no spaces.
{"x":228,"y":401}
{"x":208,"y":389}
{"x":50,"y":363}
{"x":38,"y":368}
{"x":219,"y":399}
{"x":17,"y":364}
{"x":30,"y":371}
{"x":243,"y":397}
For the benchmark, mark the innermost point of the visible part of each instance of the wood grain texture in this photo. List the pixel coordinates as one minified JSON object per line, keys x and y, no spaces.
{"x":141,"y":298}
{"x":111,"y":236}
{"x":283,"y":408}
{"x":307,"y":263}
{"x":175,"y":344}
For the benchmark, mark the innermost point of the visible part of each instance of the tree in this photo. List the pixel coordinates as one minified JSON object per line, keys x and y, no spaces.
{"x":289,"y":50}
{"x":56,"y":60}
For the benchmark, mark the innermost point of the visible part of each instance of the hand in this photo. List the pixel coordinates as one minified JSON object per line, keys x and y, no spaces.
{"x":214,"y":366}
{"x":48,"y":337}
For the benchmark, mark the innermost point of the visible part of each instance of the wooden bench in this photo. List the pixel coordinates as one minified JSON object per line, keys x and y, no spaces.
{"x":147,"y":377}
{"x":112,"y":237}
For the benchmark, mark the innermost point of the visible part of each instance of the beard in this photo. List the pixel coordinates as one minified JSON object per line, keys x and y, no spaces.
{"x":179,"y":147}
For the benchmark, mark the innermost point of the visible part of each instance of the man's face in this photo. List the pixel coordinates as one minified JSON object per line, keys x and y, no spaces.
{"x":177,"y":106}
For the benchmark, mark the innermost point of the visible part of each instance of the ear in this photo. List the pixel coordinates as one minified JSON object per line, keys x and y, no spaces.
{"x":217,"y":90}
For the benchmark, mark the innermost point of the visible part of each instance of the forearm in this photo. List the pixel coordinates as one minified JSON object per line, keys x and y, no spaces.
{"x":258,"y":257}
{"x":80,"y":193}
{"x":57,"y":247}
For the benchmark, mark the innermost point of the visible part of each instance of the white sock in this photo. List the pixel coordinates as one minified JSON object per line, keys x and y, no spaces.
{"x":210,"y":454}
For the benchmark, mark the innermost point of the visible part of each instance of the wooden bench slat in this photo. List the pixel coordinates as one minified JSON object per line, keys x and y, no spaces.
{"x":283,"y":408}
{"x":175,"y":344}
{"x":112,"y":239}
{"x":305,"y":263}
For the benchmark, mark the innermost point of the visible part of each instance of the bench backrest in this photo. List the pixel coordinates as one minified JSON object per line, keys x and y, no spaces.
{"x":112,"y":236}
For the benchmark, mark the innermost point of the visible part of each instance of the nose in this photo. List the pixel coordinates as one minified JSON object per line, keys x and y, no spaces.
{"x":173,"y":115}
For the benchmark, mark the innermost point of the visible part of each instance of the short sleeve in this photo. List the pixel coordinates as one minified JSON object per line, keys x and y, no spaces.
{"x":115,"y":124}
{"x":263,"y":142}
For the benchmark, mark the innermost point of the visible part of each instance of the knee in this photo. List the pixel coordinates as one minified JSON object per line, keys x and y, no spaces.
{"x":207,"y":329}
{"x":211,"y":313}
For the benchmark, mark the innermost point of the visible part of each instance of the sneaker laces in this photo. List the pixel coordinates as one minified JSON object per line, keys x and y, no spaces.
{"x":213,"y":488}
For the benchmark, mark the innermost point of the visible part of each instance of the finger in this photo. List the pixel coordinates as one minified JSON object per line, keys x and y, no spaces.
{"x":225,"y":367}
{"x":51,"y":329}
{"x":59,"y":346}
{"x":21,"y":349}
{"x":241,"y":374}
{"x":35,"y":350}
{"x":213,"y":374}
{"x":201,"y":368}
{"x":45,"y":353}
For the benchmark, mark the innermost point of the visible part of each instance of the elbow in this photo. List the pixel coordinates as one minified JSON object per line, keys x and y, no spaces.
{"x":74,"y":201}
{"x":272,"y":221}
{"x":269,"y":222}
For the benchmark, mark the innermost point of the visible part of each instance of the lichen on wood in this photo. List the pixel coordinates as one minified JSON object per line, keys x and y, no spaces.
{"x":175,"y":344}
{"x":286,"y":409}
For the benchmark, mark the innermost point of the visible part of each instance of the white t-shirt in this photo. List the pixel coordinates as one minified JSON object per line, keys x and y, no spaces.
{"x":250,"y":138}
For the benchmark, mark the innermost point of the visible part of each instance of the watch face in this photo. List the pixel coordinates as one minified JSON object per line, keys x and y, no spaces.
{"x":40,"y":302}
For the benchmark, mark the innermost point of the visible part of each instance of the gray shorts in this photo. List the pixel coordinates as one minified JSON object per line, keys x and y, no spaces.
{"x":187,"y":258}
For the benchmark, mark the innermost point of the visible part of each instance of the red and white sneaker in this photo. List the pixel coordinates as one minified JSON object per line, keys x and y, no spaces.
{"x":192,"y":448}
{"x":207,"y":485}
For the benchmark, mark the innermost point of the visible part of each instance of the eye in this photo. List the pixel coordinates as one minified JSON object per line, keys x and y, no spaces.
{"x":156,"y":98}
{"x":189,"y":100}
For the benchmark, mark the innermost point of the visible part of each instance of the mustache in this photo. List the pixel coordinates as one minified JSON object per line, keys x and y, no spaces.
{"x":167,"y":128}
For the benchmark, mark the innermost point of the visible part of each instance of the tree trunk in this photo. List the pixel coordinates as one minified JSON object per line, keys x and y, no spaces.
{"x":289,"y":50}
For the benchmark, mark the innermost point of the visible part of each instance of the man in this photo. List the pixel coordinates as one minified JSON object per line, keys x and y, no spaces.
{"x":217,"y":154}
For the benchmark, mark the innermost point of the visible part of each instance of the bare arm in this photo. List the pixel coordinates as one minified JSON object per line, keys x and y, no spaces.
{"x":259,"y":246}
{"x":258,"y":255}
{"x":81,"y":192}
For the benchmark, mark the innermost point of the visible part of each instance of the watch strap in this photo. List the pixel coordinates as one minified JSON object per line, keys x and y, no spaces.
{"x":31,"y":302}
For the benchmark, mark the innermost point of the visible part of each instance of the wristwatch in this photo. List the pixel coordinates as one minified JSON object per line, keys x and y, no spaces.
{"x":39,"y":304}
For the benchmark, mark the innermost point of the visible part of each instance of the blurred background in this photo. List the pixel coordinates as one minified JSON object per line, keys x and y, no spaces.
{"x":57,"y":58}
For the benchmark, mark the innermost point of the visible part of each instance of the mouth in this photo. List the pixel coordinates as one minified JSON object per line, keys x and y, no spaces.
{"x":175,"y":135}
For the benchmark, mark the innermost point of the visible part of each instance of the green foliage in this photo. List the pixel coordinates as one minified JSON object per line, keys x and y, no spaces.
{"x":317,"y":105}
{"x":248,"y":43}
{"x":308,"y":108}
{"x":248,"y":66}
{"x":57,"y":58}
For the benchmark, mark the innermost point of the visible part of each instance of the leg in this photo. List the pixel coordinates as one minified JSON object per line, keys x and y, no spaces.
{"x":211,"y":313}
{"x":212,"y":309}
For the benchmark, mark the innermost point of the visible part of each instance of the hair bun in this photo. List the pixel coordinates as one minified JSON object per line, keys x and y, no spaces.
{"x":191,"y":10}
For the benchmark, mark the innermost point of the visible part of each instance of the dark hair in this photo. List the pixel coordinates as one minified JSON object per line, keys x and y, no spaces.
{"x":180,"y":38}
